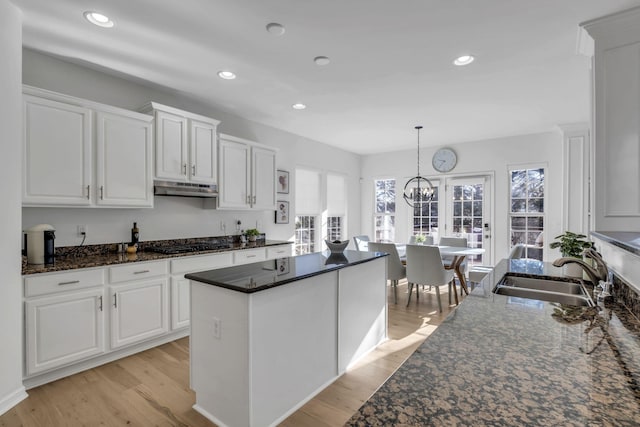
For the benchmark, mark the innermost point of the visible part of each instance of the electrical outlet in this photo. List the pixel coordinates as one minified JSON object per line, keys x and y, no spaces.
{"x":217,"y":326}
{"x":238,"y":225}
{"x":82,"y":230}
{"x":259,"y":225}
{"x":222,"y":226}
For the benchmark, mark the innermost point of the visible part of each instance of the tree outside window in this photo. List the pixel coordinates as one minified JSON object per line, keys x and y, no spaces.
{"x":527,"y":211}
{"x":385,"y":210}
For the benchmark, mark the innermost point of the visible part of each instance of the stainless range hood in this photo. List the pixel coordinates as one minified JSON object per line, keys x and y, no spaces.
{"x":184,"y":189}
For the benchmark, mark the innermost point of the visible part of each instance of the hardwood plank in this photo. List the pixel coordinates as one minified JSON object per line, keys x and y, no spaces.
{"x":152,"y":388}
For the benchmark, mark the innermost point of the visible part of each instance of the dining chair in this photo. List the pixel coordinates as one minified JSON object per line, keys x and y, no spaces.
{"x":361,"y":242}
{"x":517,"y":251}
{"x":424,"y":267}
{"x":395,"y":269}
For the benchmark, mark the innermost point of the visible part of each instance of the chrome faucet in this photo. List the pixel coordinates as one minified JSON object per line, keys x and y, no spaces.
{"x":603,"y":270}
{"x":594,"y":275}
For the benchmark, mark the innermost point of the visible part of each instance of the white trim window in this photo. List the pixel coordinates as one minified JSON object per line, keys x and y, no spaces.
{"x":425,"y":216}
{"x":305,"y":235}
{"x":384,"y":218}
{"x":335,"y":226}
{"x":526,"y":222}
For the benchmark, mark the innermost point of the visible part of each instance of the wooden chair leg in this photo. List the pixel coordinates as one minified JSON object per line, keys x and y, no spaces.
{"x":438,"y":295}
{"x":410,"y":290}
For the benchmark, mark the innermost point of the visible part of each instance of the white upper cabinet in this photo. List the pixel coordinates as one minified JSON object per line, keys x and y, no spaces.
{"x":263,"y":178}
{"x":81,"y":153}
{"x":616,"y":105}
{"x":123,"y":161}
{"x":247,"y":173}
{"x":57,"y":153}
{"x":185,"y":145}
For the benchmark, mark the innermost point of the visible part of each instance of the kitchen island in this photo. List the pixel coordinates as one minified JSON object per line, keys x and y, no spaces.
{"x":266,"y":337}
{"x":505,"y":361}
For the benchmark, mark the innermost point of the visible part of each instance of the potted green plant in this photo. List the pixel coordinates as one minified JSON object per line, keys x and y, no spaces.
{"x":571,"y":245}
{"x":420,"y":238}
{"x":252,"y":234}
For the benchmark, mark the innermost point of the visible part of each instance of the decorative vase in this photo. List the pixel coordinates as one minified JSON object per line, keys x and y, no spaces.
{"x":253,"y":238}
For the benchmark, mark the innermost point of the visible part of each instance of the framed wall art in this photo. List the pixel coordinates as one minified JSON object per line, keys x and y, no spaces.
{"x":282,"y":212}
{"x":283,"y":182}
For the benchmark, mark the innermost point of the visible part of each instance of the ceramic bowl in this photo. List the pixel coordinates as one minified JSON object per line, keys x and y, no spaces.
{"x":336,"y":248}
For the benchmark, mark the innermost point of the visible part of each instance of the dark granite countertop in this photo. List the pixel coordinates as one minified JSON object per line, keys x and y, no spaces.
{"x":627,"y":240}
{"x":259,"y":276}
{"x":505,"y":361}
{"x":98,"y":258}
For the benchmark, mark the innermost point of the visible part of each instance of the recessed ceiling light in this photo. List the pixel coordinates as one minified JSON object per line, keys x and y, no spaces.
{"x":97,"y":18}
{"x":298,"y":106}
{"x":464,"y":60}
{"x":275,"y":29}
{"x":321,"y":60}
{"x":227,"y":75}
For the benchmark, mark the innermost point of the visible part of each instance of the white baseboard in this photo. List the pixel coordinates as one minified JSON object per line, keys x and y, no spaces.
{"x":12,"y":399}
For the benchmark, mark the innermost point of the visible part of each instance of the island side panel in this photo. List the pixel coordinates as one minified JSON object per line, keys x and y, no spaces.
{"x":362,"y":313}
{"x":220,"y":366}
{"x":293,"y":345}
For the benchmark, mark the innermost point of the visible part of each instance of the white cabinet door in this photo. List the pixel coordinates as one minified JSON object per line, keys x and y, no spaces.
{"x":124,"y":176}
{"x":57,"y":153}
{"x":202,"y":152}
{"x":62,"y":329}
{"x":138,"y":311}
{"x":263,"y":179}
{"x":171,"y":146}
{"x":180,"y":306}
{"x":234,"y":168}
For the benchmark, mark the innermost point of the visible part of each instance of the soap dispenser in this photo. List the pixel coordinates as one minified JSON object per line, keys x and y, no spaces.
{"x":135,"y":234}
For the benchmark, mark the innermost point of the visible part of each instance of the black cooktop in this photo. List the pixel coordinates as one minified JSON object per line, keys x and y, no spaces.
{"x":191,"y":247}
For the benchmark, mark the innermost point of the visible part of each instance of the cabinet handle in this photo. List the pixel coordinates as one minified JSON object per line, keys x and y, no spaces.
{"x":141,"y":272}
{"x":254,"y":200}
{"x":88,"y":192}
{"x":251,"y":256}
{"x":102,"y":192}
{"x":193,"y":169}
{"x":100,"y":299}
{"x":68,"y":283}
{"x":115,"y":300}
{"x":184,"y":168}
{"x":248,"y":200}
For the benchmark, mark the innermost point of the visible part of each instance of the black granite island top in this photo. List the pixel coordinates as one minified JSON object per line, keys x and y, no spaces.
{"x":506,"y":361}
{"x":259,"y":276}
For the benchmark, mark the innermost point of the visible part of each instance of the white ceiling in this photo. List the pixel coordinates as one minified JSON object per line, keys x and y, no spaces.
{"x":391,"y":61}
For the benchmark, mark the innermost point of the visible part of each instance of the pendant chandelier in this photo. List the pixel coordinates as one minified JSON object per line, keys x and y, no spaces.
{"x":418,"y":189}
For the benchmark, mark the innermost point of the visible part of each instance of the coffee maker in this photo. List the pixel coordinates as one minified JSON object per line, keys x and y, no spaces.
{"x":39,"y":244}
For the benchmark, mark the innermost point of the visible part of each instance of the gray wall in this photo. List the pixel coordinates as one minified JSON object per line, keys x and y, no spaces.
{"x":176,"y":217}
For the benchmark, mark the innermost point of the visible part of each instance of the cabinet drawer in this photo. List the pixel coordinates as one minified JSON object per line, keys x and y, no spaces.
{"x":200,"y":263}
{"x":137,"y":271}
{"x":249,"y":255}
{"x":43,"y":284}
{"x":279,"y":251}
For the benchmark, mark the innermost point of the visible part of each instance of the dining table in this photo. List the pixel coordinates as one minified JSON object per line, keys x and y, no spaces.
{"x":458,"y":253}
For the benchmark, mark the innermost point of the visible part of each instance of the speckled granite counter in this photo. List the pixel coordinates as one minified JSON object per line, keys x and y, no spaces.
{"x":269,"y":274}
{"x":102,"y":255}
{"x":505,"y":361}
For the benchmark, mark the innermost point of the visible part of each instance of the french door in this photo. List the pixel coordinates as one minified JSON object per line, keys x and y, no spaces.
{"x":460,"y":208}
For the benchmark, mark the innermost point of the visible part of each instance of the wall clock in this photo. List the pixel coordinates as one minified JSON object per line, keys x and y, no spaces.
{"x":444,"y":160}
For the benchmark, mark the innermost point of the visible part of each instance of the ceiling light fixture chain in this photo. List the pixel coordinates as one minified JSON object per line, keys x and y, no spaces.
{"x":418,"y":189}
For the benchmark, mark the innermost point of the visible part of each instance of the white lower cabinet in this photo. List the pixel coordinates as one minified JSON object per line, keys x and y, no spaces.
{"x":180,"y":306}
{"x":139,"y":311}
{"x":63,"y":328}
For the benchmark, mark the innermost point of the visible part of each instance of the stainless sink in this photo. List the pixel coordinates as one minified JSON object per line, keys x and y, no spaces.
{"x":559,"y":291}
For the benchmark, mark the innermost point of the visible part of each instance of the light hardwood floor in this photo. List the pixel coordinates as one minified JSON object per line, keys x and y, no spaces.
{"x":152,"y":388}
